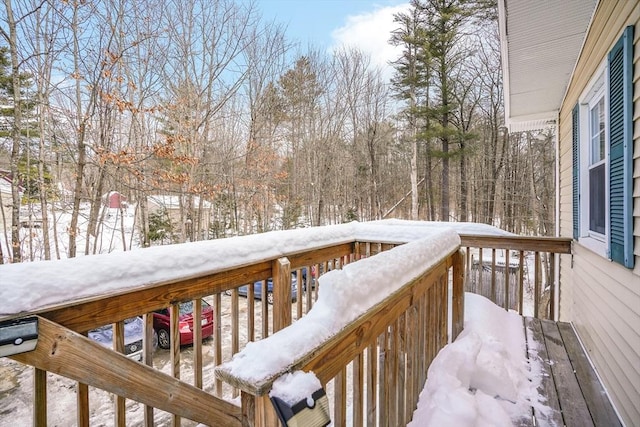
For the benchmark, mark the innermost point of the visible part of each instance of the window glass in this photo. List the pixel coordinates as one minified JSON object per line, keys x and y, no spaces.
{"x":597,"y":131}
{"x":597,"y":199}
{"x":596,"y":178}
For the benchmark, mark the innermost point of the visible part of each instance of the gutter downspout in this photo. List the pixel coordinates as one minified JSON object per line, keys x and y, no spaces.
{"x":556,"y":279}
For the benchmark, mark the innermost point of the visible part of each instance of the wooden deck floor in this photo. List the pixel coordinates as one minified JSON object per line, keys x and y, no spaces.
{"x":571,"y":385}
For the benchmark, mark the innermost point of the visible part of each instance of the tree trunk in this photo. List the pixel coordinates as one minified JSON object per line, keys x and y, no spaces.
{"x":12,"y":40}
{"x":464,"y":187}
{"x":81,"y":133}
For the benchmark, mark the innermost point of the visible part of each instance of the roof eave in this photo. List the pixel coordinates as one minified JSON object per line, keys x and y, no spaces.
{"x":543,"y":69}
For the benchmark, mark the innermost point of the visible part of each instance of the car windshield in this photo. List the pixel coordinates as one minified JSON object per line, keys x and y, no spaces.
{"x":133,"y":330}
{"x":187,"y":307}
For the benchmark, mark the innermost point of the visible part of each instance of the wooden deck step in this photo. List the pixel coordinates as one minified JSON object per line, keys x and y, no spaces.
{"x":570,"y":385}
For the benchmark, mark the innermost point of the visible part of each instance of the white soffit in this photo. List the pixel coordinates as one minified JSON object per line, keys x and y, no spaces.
{"x":540,"y":42}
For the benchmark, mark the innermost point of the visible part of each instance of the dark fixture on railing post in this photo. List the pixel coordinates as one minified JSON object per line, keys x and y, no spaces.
{"x":301,"y":414}
{"x":18,"y":336}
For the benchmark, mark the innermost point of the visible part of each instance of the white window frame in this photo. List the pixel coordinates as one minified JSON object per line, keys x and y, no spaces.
{"x":596,"y":89}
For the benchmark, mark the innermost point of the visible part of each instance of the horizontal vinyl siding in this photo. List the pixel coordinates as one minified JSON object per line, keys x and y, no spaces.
{"x":606,"y":318}
{"x":600,"y":297}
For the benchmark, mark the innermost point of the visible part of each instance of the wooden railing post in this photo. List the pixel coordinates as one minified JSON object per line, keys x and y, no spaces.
{"x":258,"y":411}
{"x":281,"y":271}
{"x":458,"y":295}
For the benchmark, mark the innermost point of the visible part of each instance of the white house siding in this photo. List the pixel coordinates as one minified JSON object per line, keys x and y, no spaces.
{"x":601,"y":297}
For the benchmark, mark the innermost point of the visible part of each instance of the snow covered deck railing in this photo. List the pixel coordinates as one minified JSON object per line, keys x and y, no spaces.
{"x":515,"y":272}
{"x":389,"y":314}
{"x":77,"y":295}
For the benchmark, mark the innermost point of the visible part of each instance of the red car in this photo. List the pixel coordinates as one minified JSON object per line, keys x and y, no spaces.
{"x":161,"y":324}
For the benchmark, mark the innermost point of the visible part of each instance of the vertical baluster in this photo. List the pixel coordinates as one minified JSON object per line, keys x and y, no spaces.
{"x":430,"y":326}
{"x":521,"y":283}
{"x":40,"y":400}
{"x":311,"y":283}
{"x":358,"y":390}
{"x":494,"y":296}
{"x":197,"y":343}
{"x":372,"y":383}
{"x":120,"y":403}
{"x":507,"y":288}
{"x":457,"y":299}
{"x":251,"y":312}
{"x":392,"y":375}
{"x":552,"y":277}
{"x":174,"y":323}
{"x":468,"y":268}
{"x":340,"y":398}
{"x":383,"y":378}
{"x":235,"y":325}
{"x":265,"y":309}
{"x":536,"y":279}
{"x":401,"y":329}
{"x":424,"y":336}
{"x":299,"y":292}
{"x":480,"y":289}
{"x":444,"y":309}
{"x":412,"y":363}
{"x":147,"y":359}
{"x":217,"y":304}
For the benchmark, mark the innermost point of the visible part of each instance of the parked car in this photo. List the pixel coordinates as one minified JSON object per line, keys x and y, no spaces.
{"x":161,"y":319}
{"x":257,"y":287}
{"x":133,"y":333}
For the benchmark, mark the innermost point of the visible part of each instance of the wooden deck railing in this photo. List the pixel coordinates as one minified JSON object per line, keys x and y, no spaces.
{"x":184,"y":386}
{"x":64,"y":350}
{"x":379,"y":361}
{"x":515,"y":272}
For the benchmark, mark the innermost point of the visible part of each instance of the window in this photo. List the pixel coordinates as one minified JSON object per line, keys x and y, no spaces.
{"x":602,"y":157}
{"x":596,"y":165}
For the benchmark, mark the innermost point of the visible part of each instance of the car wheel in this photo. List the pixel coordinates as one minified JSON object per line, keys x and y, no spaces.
{"x":270,"y":297}
{"x":164,"y":339}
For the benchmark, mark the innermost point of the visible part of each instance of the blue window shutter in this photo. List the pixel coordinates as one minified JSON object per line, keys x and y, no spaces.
{"x":620,"y":149}
{"x":575,"y":117}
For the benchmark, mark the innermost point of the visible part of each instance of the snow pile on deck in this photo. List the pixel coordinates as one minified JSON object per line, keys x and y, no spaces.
{"x":344,"y":295}
{"x":484,"y":377}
